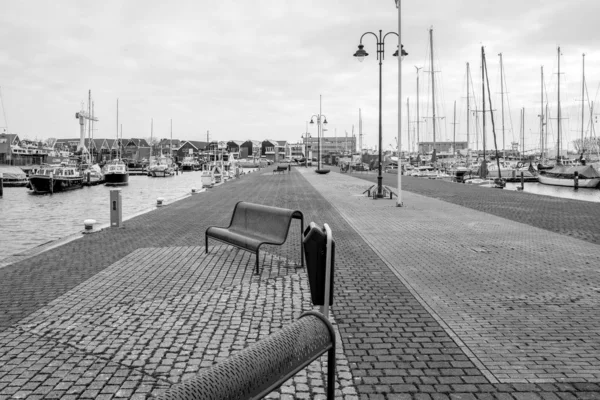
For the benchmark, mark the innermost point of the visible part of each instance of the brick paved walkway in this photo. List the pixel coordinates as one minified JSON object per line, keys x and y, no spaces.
{"x":433,"y":300}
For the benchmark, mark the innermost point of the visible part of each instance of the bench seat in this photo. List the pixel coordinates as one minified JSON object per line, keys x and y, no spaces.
{"x":253,"y":225}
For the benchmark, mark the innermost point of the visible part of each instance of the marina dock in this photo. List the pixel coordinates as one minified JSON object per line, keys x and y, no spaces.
{"x":463,"y":293}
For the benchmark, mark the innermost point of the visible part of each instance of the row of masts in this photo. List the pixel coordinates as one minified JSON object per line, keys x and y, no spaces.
{"x":543,"y":113}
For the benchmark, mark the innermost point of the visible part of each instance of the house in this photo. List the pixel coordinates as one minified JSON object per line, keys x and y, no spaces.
{"x":250,"y":149}
{"x":193,"y":148}
{"x":233,"y":146}
{"x":285,"y":151}
{"x":270,"y":150}
{"x":136,"y":149}
{"x":167,"y":146}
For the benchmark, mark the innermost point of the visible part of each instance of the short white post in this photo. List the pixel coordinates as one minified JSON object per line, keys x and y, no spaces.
{"x":89,"y":225}
{"x":159,"y":202}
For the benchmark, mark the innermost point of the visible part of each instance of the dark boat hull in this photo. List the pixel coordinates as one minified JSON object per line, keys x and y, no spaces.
{"x":116,"y":179}
{"x":45,"y":184}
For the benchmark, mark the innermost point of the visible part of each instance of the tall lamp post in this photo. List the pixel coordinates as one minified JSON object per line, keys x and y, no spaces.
{"x":399,"y":202}
{"x":360,"y":55}
{"x":321,"y":120}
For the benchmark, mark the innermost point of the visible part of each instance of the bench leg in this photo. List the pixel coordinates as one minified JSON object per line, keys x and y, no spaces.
{"x":206,"y":244}
{"x":256,"y":265}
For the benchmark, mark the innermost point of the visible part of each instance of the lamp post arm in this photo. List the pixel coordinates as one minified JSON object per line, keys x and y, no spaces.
{"x":389,"y":33}
{"x":369,"y":33}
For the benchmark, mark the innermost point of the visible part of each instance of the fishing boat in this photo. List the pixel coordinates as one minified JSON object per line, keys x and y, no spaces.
{"x":55,"y":178}
{"x":116,"y":173}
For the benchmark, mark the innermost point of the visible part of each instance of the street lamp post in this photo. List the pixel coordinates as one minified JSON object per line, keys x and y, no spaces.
{"x":399,"y":202}
{"x":360,"y":55}
{"x":321,"y":120}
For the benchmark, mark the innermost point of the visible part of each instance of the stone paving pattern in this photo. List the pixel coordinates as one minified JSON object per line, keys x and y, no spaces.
{"x":402,"y":337}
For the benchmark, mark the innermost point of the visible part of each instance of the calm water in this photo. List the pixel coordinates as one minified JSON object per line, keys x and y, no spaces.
{"x":28,"y":220}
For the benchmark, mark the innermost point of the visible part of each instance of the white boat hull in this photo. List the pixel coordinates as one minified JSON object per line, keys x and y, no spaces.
{"x":583,"y":183}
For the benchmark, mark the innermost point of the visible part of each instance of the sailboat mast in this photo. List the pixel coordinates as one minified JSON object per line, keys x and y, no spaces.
{"x":118,"y":145}
{"x":432,"y":83}
{"x":483,"y":96}
{"x":542,"y":116}
{"x":502,"y":98}
{"x":558,"y":105}
{"x":92,"y":133}
{"x":89,"y":158}
{"x":171,"y":142}
{"x":454,"y":131}
{"x":582,"y":99}
{"x":418,"y":120}
{"x":468,"y":76}
{"x":407,"y":124}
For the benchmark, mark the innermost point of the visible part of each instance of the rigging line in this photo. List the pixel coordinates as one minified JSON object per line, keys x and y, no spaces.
{"x":510,"y":119}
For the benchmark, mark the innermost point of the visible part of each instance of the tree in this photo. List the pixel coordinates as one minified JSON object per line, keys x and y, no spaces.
{"x":50,"y":142}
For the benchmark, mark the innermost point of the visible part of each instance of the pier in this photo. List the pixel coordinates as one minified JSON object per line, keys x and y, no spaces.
{"x":462,"y":293}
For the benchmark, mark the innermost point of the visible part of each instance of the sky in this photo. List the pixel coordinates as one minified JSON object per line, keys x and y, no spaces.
{"x":234,"y":70}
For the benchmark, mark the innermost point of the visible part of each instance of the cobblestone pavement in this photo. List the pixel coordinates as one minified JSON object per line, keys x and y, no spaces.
{"x":126,"y":312}
{"x":579,"y":219}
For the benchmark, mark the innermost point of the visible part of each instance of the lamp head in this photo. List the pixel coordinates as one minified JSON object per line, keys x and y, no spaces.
{"x":311,"y":121}
{"x":403,"y":52}
{"x":360,"y":53}
{"x":325,"y":121}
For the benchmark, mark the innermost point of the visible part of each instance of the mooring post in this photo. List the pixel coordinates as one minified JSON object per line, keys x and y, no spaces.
{"x":522,"y":180}
{"x":576,"y":180}
{"x":1,"y":184}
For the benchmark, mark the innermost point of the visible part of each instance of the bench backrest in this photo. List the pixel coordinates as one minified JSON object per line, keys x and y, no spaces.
{"x":265,"y":365}
{"x":266,"y":221}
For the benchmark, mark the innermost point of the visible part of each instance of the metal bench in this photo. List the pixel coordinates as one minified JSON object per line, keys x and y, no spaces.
{"x":253,"y":225}
{"x":265,"y":365}
{"x":280,"y":168}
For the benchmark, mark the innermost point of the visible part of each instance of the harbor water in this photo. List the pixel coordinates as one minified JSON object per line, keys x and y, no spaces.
{"x":584,"y":194}
{"x":28,"y":220}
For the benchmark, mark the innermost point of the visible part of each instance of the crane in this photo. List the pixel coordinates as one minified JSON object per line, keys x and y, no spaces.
{"x":82,"y":116}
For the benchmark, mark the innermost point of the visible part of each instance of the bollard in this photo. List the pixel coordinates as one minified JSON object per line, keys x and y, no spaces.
{"x":522,"y":180}
{"x":89,"y":225}
{"x":1,"y":184}
{"x":576,"y":180}
{"x":88,"y":177}
{"x":262,"y":367}
{"x":159,"y":202}
{"x":116,"y":212}
{"x":194,"y":191}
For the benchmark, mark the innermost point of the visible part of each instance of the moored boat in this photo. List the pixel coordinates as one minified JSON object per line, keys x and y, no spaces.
{"x":116,"y":173}
{"x":161,"y":167}
{"x":93,"y":175}
{"x":560,"y":175}
{"x":55,"y":178}
{"x":13,"y":177}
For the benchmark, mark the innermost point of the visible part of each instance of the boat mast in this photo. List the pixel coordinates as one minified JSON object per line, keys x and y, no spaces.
{"x":582,"y":100}
{"x":454,"y":131}
{"x":502,"y":99}
{"x":171,"y":143}
{"x":92,"y":133}
{"x":407,"y":125}
{"x":418,"y":120}
{"x":558,"y":105}
{"x":483,"y":96}
{"x":468,"y":76}
{"x":542,"y":116}
{"x":360,"y":134}
{"x":432,"y":84}
{"x":118,"y":144}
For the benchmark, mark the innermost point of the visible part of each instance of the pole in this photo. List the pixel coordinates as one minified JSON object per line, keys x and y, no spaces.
{"x":399,"y":196}
{"x":502,"y":100}
{"x":319,"y":130}
{"x":418,"y":120}
{"x":379,"y":176}
{"x":432,"y":84}
{"x":468,"y":76}
{"x":454,"y":131}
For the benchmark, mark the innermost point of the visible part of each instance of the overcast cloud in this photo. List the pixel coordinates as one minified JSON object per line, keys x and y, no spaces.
{"x":255,"y":70}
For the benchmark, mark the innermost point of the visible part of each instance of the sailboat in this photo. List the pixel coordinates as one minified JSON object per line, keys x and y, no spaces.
{"x":115,"y":171}
{"x":584,"y":176}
